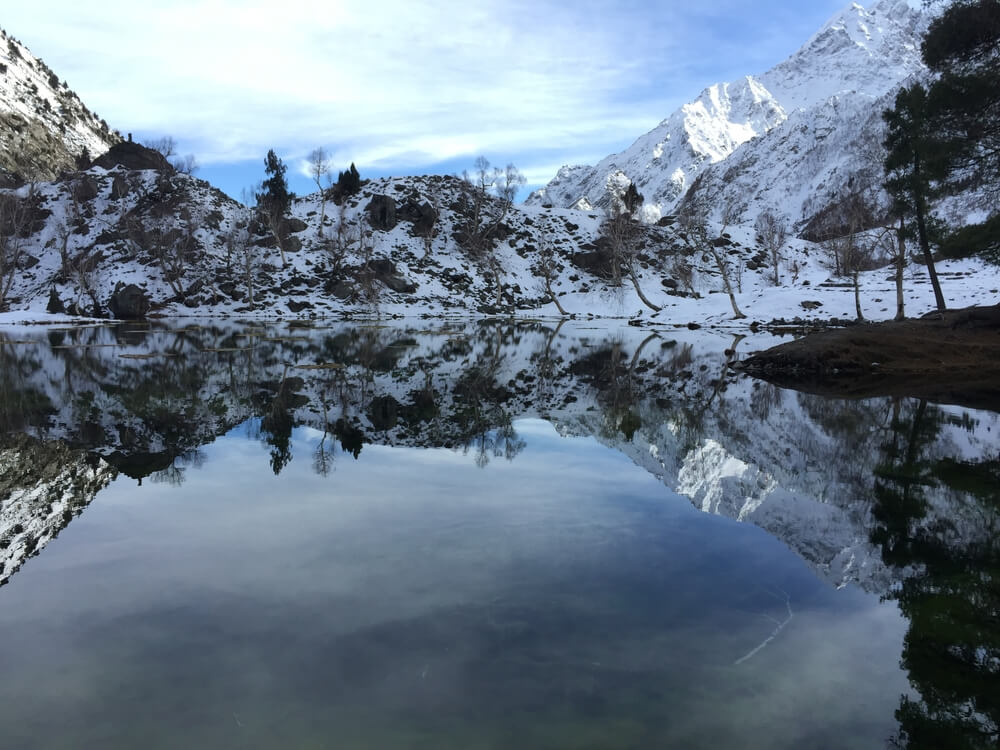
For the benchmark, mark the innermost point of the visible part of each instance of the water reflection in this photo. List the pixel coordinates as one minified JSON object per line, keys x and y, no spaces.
{"x":896,"y":497}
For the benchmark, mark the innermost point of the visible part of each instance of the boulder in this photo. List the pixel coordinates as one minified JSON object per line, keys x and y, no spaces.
{"x":119,"y":187}
{"x":382,"y":212}
{"x":421,"y":215}
{"x":398,"y":283}
{"x":85,"y":189}
{"x":128,"y":302}
{"x":293,"y":225}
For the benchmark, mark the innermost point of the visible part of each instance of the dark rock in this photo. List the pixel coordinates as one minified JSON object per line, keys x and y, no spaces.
{"x":293,"y":225}
{"x":670,"y":283}
{"x":132,"y":156}
{"x":55,"y":305}
{"x":382,"y":212}
{"x":128,"y":302}
{"x":398,"y":283}
{"x":296,"y":306}
{"x":382,"y":266}
{"x":384,"y":414}
{"x":421,"y":215}
{"x":85,"y":189}
{"x":119,"y":187}
{"x":341,"y":290}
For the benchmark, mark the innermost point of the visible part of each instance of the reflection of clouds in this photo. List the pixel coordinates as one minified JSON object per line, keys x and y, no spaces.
{"x":245,"y":592}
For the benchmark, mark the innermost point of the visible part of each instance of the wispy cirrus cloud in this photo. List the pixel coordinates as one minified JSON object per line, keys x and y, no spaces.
{"x":403,"y":85}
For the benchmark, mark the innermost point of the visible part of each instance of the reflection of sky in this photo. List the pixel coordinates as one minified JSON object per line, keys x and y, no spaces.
{"x":411,"y":592}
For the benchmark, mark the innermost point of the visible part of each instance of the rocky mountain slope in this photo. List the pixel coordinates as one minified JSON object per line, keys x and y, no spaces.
{"x":788,"y":139}
{"x":44,"y":127}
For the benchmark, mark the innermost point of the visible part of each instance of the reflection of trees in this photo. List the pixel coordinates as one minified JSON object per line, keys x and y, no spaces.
{"x":277,"y":403}
{"x":480,"y":418}
{"x":937,"y":522}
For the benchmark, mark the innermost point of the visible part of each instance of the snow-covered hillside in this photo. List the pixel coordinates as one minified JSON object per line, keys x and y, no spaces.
{"x":787,"y":139}
{"x":396,"y":248}
{"x":44,"y":127}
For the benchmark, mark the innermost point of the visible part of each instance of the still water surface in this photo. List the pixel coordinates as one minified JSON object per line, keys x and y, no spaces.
{"x":481,"y":537}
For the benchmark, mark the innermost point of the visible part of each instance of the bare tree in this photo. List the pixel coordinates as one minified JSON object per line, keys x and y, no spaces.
{"x":771,"y":230}
{"x":547,"y":270}
{"x":321,"y":170}
{"x":369,"y":284}
{"x":16,"y":214}
{"x":165,"y":145}
{"x":624,"y":232}
{"x":697,"y":235}
{"x":243,"y":254}
{"x":186,"y":164}
{"x":487,"y":197}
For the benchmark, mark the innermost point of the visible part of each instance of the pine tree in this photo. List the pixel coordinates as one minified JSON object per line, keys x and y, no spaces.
{"x":912,"y":166}
{"x":963,"y":109}
{"x":275,"y":193}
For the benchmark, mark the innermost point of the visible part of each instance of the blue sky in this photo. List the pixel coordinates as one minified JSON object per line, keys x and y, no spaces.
{"x":402,"y":86}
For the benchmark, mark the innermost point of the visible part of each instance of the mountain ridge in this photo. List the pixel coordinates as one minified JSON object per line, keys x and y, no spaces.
{"x":703,"y":136}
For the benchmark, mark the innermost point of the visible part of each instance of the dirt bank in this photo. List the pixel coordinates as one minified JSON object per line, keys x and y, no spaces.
{"x":954,"y":358}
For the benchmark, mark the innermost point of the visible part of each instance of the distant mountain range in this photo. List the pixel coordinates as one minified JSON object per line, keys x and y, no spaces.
{"x":789,"y":140}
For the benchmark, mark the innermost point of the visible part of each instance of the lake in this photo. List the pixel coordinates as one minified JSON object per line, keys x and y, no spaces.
{"x":482,"y":535}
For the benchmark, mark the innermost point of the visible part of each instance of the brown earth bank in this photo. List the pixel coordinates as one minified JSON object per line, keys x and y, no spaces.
{"x":951,"y":358}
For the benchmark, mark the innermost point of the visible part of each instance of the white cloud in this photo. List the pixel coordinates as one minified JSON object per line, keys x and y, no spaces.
{"x":397,"y":84}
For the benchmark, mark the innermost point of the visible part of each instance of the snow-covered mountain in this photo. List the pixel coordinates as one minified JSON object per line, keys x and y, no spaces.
{"x":44,"y":127}
{"x":787,"y":139}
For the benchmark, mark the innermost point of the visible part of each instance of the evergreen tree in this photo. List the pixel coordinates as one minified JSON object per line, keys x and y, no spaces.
{"x":912,"y":167}
{"x":275,"y":195}
{"x":963,"y":109}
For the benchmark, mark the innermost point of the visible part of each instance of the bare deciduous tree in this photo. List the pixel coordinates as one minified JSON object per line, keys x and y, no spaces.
{"x":771,"y":231}
{"x":624,"y":232}
{"x":165,"y":145}
{"x":698,"y":236}
{"x":547,"y":270}
{"x":15,"y":222}
{"x":321,"y":171}
{"x":487,"y":197}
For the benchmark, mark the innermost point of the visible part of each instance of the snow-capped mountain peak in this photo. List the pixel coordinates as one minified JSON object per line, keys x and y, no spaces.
{"x":839,"y":75}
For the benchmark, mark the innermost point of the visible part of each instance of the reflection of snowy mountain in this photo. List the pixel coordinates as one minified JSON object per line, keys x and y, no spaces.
{"x":799,"y":466}
{"x":43,"y":486}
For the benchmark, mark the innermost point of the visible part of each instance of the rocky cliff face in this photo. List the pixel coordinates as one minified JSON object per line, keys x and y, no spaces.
{"x":788,"y":139}
{"x":44,"y":127}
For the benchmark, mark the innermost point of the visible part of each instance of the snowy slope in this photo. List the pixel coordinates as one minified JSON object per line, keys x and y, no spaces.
{"x":44,"y":126}
{"x":841,"y":76}
{"x":173,"y":236}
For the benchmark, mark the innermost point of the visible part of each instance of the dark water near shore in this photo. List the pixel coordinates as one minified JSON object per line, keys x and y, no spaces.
{"x":481,"y":536}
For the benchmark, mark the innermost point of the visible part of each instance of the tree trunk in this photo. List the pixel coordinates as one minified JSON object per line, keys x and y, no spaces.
{"x":638,"y":290}
{"x":553,"y":297}
{"x":925,"y":248}
{"x":725,"y":280}
{"x":900,"y":265}
{"x":857,"y":297}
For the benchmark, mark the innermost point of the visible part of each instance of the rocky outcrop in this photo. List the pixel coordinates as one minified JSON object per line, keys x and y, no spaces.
{"x":133,"y":156}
